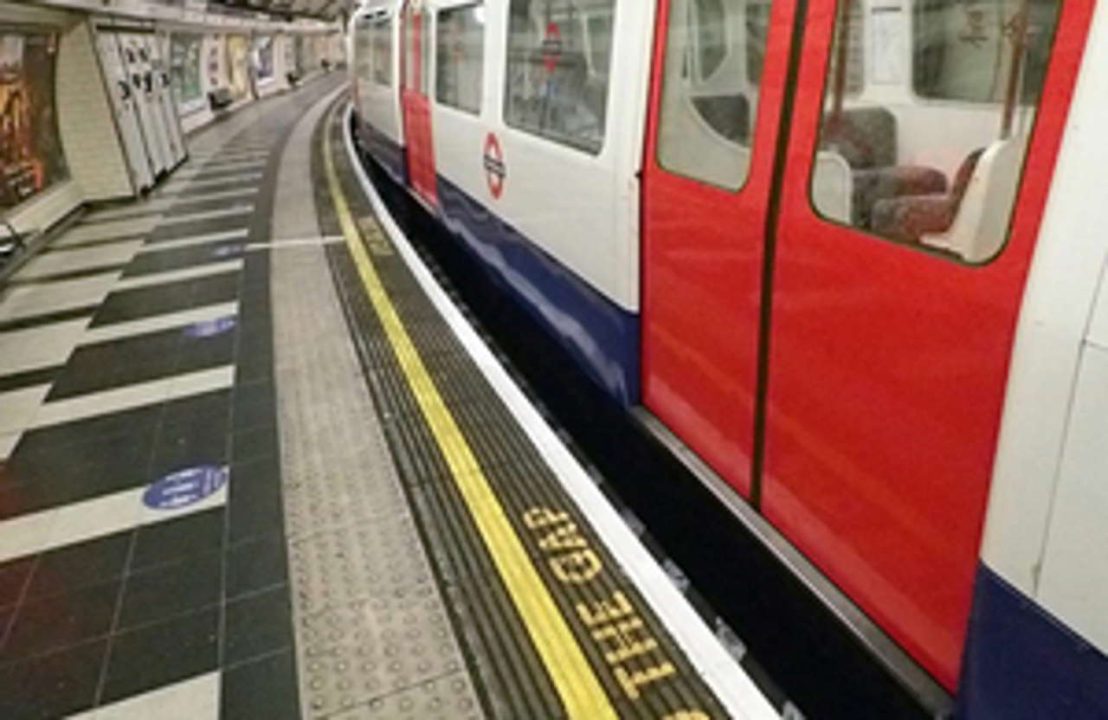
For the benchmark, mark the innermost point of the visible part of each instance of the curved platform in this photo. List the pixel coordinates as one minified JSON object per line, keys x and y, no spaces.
{"x":259,"y":465}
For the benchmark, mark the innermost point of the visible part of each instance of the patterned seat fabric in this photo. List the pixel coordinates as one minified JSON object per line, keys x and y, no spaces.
{"x":909,"y":217}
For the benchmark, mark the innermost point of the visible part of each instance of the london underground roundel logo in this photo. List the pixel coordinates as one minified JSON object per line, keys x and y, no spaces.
{"x":496,"y":172}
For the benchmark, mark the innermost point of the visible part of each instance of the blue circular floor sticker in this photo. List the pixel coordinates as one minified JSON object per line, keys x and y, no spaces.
{"x":210,"y":328}
{"x":185,"y":487}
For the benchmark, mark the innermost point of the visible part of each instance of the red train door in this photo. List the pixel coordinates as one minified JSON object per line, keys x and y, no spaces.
{"x":706,"y":183}
{"x":866,"y":280}
{"x":415,"y":99}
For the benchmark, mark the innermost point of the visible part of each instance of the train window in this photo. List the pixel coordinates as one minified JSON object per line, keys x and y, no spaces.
{"x":382,"y":52}
{"x":460,"y":56}
{"x":972,"y":63}
{"x":559,"y":52}
{"x":706,"y":120}
{"x":711,"y":27}
{"x":937,"y":175}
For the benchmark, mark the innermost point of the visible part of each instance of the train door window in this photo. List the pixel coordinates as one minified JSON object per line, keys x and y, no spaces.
{"x":459,"y":57}
{"x":939,"y":169}
{"x":559,"y":52}
{"x":425,"y":54}
{"x":709,"y":95}
{"x":382,"y":52}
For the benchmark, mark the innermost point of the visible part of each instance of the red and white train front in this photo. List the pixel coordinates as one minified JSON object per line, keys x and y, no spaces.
{"x":838,"y":248}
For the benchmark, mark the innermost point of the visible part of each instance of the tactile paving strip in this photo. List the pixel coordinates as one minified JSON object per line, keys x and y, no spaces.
{"x":644,"y":673}
{"x":374,"y":638}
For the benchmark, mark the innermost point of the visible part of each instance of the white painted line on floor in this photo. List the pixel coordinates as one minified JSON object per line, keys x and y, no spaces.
{"x":241,"y":209}
{"x":191,"y":273}
{"x":734,"y":688}
{"x":133,"y":396}
{"x":194,"y":699}
{"x":88,"y":519}
{"x":297,"y":242}
{"x":205,"y":239}
{"x":156,"y":323}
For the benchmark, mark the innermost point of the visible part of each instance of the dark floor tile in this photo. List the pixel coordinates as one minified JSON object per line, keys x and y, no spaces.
{"x":198,"y":206}
{"x":59,"y":621}
{"x":177,"y":231}
{"x":164,"y":261}
{"x":161,"y":654}
{"x":257,"y":625}
{"x":254,"y":405}
{"x":31,"y":321}
{"x":255,"y":499}
{"x":47,"y":442}
{"x":214,"y":188}
{"x":52,"y":685}
{"x":28,"y":378}
{"x":257,"y":443}
{"x":80,"y":565}
{"x":181,"y":447}
{"x":186,"y":537}
{"x":13,"y":578}
{"x":167,"y":298}
{"x":168,"y":590}
{"x":256,"y":564}
{"x":264,"y":688}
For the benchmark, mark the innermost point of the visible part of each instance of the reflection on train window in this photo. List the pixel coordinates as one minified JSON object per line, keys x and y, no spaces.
{"x":933,"y":156}
{"x":559,"y":52}
{"x":709,"y":97}
{"x":382,"y":51}
{"x":459,"y":57}
{"x":363,"y":51}
{"x":947,"y":63}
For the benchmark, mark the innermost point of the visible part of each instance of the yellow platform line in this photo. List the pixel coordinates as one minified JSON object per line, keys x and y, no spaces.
{"x":581,"y":692}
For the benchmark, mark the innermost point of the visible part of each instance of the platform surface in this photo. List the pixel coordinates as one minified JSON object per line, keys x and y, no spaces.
{"x":256,"y":465}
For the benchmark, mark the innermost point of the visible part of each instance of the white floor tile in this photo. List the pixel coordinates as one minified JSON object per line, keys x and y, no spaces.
{"x":31,"y":300}
{"x":105,"y":333}
{"x":19,"y":407}
{"x":8,"y":443}
{"x":193,"y":699}
{"x":27,"y":534}
{"x":234,"y":210}
{"x":130,"y":227}
{"x":39,"y":347}
{"x":83,"y":258}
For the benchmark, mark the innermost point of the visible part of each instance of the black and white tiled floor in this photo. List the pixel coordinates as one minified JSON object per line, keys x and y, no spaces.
{"x":139,"y":348}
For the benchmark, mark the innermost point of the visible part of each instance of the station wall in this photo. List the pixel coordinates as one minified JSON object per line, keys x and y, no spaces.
{"x":61,"y":134}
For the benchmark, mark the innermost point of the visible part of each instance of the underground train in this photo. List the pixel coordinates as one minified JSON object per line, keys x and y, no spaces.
{"x":850,"y":252}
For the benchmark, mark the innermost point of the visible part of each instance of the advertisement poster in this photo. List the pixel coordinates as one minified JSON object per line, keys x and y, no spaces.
{"x":263,"y":57}
{"x":214,"y":62}
{"x":31,"y":157}
{"x":238,"y":61}
{"x":184,"y":54}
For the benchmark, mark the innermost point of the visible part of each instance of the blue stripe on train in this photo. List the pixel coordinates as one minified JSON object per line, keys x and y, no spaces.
{"x":1022,"y":664}
{"x":603,"y":337}
{"x":387,"y":153}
